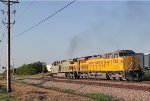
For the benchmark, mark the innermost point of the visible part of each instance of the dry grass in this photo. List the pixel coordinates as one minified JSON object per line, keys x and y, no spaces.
{"x":25,"y":92}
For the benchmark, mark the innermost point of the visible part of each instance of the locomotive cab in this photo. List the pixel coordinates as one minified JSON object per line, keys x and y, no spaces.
{"x":133,"y":69}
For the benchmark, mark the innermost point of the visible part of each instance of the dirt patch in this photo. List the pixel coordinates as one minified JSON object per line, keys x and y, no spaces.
{"x":35,"y":95}
{"x":24,"y":92}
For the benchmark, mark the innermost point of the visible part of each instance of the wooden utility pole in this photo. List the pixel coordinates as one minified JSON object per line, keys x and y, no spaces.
{"x":8,"y":3}
{"x":8,"y":49}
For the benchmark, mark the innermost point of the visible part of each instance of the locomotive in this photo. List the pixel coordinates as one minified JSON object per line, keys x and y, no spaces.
{"x":121,"y":65}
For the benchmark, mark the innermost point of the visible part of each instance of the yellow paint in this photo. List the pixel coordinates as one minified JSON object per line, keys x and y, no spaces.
{"x":108,"y":64}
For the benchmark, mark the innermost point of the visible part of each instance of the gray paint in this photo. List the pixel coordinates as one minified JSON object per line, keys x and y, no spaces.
{"x":147,"y":61}
{"x":141,"y":57}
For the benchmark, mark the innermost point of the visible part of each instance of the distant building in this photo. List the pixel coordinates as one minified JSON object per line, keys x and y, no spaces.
{"x":49,"y":68}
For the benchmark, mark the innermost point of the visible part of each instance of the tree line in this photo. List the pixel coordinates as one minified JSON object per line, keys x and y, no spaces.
{"x":30,"y":69}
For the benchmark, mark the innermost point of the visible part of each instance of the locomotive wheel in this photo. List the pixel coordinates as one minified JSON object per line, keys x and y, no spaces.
{"x":76,"y":75}
{"x":66,"y":75}
{"x":107,"y":76}
{"x":129,"y":78}
{"x":114,"y":78}
{"x":120,"y":78}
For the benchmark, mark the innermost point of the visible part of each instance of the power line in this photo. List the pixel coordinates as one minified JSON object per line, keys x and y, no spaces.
{"x":3,"y":17}
{"x":2,"y":46}
{"x":3,"y":31}
{"x":4,"y":20}
{"x":24,"y":11}
{"x":44,"y":19}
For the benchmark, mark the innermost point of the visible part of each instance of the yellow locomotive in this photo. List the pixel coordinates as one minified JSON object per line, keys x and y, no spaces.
{"x":122,"y":64}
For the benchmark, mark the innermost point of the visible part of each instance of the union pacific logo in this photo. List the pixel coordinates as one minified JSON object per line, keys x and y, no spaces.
{"x":106,"y":62}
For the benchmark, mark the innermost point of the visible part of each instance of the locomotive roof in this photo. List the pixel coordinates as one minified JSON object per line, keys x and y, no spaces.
{"x":96,"y":56}
{"x":122,"y":51}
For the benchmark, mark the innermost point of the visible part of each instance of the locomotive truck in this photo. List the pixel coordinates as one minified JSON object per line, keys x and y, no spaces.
{"x":122,"y":65}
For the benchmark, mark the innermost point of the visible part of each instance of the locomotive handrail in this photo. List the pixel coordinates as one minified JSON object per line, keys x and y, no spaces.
{"x":129,"y":67}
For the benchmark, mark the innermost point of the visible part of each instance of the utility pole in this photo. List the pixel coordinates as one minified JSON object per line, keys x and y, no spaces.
{"x":8,"y":3}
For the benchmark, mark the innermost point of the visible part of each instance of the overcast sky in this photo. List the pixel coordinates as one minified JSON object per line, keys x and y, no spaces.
{"x":83,"y":28}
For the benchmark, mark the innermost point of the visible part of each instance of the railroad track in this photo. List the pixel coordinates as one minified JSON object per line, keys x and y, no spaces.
{"x":143,"y":86}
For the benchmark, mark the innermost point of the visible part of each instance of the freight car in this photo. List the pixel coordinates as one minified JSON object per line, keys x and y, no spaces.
{"x":122,"y":65}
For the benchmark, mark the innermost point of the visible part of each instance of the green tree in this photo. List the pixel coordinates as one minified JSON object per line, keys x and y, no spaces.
{"x":31,"y":69}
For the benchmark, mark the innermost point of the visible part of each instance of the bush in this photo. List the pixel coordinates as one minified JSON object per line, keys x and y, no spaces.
{"x":31,"y":69}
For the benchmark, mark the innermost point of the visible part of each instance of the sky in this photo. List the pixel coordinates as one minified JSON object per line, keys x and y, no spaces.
{"x":84,"y":28}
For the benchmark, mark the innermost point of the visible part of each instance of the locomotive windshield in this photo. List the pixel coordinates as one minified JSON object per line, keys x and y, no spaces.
{"x":71,"y":62}
{"x":126,"y":53}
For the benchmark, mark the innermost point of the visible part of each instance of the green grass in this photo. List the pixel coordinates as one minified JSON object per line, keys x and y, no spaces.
{"x":101,"y":97}
{"x":36,"y":75}
{"x":1,"y":76}
{"x":23,"y":76}
{"x":5,"y":96}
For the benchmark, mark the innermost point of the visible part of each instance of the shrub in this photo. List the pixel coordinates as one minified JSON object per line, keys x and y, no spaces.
{"x":31,"y":69}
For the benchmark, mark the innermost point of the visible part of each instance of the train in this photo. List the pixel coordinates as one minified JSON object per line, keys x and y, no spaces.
{"x":118,"y":65}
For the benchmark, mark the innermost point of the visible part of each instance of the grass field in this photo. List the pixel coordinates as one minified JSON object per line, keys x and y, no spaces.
{"x":5,"y":96}
{"x":101,"y":97}
{"x":37,"y":75}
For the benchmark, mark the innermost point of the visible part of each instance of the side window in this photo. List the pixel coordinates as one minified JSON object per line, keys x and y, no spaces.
{"x":116,"y":56}
{"x":121,"y":54}
{"x":54,"y":63}
{"x":59,"y":69}
{"x":101,"y":56}
{"x":71,"y":62}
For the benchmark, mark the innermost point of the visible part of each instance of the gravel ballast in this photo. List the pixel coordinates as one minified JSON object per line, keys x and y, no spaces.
{"x":121,"y":93}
